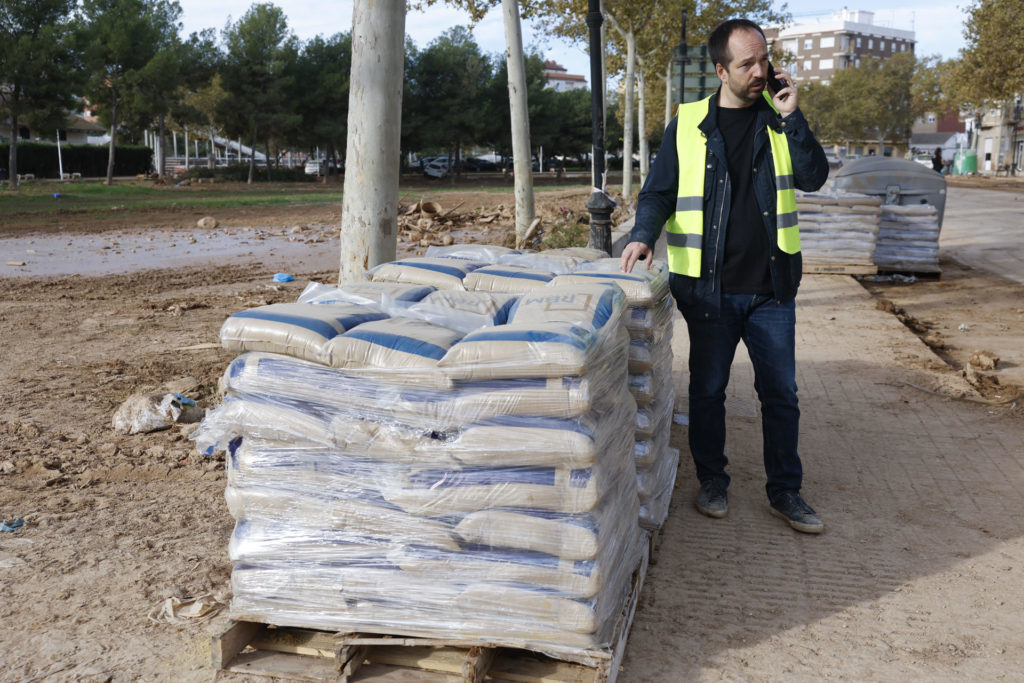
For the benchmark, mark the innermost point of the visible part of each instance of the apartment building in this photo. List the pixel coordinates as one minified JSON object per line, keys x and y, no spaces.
{"x":817,"y":49}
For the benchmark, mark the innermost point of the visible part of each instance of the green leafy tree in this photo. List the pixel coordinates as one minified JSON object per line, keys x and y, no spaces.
{"x":320,"y":86}
{"x":121,"y":37}
{"x":873,"y":101}
{"x":991,"y":67}
{"x":448,"y":84}
{"x":259,"y":47}
{"x":38,"y":67}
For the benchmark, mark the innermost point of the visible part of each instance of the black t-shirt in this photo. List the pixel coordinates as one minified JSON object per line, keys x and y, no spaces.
{"x":747,"y":249}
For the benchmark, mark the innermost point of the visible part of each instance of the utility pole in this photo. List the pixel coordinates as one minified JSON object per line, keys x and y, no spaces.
{"x":599,"y":205}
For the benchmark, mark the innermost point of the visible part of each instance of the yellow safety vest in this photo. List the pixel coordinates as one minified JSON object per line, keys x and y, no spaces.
{"x":685,"y":229}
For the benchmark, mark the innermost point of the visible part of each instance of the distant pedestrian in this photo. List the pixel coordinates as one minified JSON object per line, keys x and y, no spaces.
{"x":937,"y":163}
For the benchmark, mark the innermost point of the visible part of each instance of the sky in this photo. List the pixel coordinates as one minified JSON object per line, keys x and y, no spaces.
{"x":938,"y":24}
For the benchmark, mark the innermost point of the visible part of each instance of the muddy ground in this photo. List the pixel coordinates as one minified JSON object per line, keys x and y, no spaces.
{"x":115,"y":525}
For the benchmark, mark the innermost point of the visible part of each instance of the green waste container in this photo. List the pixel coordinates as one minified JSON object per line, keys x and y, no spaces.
{"x":965,"y":161}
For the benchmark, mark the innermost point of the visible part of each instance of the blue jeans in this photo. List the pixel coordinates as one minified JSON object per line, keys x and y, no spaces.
{"x":769,"y":331}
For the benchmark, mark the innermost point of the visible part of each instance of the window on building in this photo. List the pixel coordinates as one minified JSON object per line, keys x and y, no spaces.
{"x":808,"y":43}
{"x":790,"y":46}
{"x":931,"y":118}
{"x":871,"y":43}
{"x":856,"y":62}
{"x":858,"y":41}
{"x":807,"y":65}
{"x":825,"y":64}
{"x":843,"y":63}
{"x":828,"y":41}
{"x":903,"y":47}
{"x":844,"y":43}
{"x":881,"y":45}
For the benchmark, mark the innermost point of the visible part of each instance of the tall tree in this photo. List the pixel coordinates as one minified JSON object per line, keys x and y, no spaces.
{"x":991,"y":67}
{"x":38,"y":68}
{"x":447,"y":92}
{"x":121,"y":38}
{"x":258,"y":48}
{"x":320,"y":94}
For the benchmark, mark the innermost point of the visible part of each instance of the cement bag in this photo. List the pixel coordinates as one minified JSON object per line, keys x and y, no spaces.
{"x":390,"y":442}
{"x":469,"y":402}
{"x":255,"y":420}
{"x":572,"y":578}
{"x":650,"y":323}
{"x":532,"y":349}
{"x":482,"y":253}
{"x":593,"y":306}
{"x":315,"y":526}
{"x":654,"y":418}
{"x":536,"y":441}
{"x":358,"y":532}
{"x":443,"y":492}
{"x":442,"y":273}
{"x":299,"y":330}
{"x":464,"y":311}
{"x":654,"y":511}
{"x":557,"y":261}
{"x":642,"y":287}
{"x":362,"y":293}
{"x":507,"y":278}
{"x":396,"y":349}
{"x":571,"y":537}
{"x":642,"y":388}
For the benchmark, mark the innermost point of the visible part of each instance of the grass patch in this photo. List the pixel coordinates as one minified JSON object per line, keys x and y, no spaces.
{"x":49,"y":197}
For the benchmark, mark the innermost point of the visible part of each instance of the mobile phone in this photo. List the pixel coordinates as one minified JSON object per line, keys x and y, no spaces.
{"x":774,"y":82}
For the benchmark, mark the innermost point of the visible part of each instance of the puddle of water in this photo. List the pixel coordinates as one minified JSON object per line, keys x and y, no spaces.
{"x":112,"y":253}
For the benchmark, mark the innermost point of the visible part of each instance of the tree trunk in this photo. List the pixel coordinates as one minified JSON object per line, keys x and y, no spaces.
{"x":12,"y":155}
{"x":641,"y":125}
{"x":252,"y":154}
{"x":520,"y":115}
{"x":161,"y":154}
{"x":113,"y":135}
{"x":668,"y":95}
{"x":266,"y":156}
{"x":627,"y":120}
{"x":369,"y":213}
{"x":211,"y":160}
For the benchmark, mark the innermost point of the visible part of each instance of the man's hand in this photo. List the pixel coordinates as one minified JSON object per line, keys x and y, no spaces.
{"x":632,"y":252}
{"x":785,"y":99}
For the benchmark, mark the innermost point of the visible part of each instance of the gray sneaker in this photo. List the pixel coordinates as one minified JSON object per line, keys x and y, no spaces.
{"x":712,"y":499}
{"x":789,"y":506}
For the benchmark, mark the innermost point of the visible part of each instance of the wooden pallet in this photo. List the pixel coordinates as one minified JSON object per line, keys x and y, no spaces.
{"x":839,"y":269}
{"x":300,"y":654}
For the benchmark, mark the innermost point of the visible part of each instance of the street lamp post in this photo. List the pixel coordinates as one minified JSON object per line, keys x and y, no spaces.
{"x":599,"y":205}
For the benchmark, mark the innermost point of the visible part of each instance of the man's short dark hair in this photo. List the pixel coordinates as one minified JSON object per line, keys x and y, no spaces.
{"x":718,"y":41}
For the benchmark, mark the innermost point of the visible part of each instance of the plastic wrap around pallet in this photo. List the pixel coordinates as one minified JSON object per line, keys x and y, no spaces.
{"x":288,"y":381}
{"x":440,"y":480}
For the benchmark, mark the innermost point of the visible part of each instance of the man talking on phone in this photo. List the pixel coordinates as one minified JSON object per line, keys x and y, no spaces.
{"x":722,"y":185}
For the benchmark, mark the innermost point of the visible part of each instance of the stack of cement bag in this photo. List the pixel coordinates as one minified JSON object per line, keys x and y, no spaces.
{"x":392,"y":473}
{"x":909,"y":238}
{"x":649,"y":321}
{"x":838,"y":228}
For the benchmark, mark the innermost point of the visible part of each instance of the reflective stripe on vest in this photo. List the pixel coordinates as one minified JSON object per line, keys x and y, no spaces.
{"x":685,"y":228}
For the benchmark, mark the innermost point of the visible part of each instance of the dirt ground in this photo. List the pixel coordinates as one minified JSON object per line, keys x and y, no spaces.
{"x":116,"y":525}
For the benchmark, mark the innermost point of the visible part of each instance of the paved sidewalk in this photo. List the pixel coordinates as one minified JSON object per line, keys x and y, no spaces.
{"x":920,"y":572}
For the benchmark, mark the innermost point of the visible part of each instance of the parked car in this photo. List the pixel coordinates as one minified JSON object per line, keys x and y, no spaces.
{"x":314,"y":167}
{"x":437,"y":168}
{"x":923,"y":159}
{"x":475,"y":165}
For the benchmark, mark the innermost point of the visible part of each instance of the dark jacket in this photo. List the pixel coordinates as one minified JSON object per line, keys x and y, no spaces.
{"x":702,"y":296}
